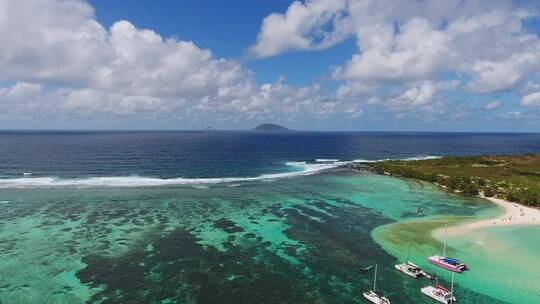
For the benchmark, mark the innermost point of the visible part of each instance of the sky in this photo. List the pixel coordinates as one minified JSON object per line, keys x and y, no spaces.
{"x":366,"y":65}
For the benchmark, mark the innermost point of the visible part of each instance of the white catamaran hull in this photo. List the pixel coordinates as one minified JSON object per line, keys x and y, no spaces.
{"x":410,"y":269}
{"x":438,"y":295}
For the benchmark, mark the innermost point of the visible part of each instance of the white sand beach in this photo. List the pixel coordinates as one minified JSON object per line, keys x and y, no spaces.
{"x":513,"y":215}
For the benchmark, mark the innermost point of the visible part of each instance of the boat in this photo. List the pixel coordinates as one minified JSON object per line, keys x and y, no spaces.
{"x":439,"y":293}
{"x":451,"y":264}
{"x":372,"y":295}
{"x":410,"y":269}
{"x":376,"y":298}
{"x":365,"y":269}
{"x":445,"y":262}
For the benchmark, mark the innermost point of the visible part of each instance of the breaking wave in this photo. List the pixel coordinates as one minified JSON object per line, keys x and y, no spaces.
{"x":303,"y":168}
{"x":326,"y":160}
{"x":140,"y":181}
{"x":412,"y":158}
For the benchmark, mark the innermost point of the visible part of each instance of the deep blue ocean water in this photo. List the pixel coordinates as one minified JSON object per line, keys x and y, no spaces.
{"x":94,"y":219}
{"x":193,"y":154}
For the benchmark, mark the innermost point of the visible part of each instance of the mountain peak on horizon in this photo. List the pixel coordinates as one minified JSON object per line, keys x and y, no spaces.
{"x":270,"y":127}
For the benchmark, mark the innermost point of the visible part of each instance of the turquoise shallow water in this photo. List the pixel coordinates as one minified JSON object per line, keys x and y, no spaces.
{"x":505,"y":260}
{"x":297,"y":240}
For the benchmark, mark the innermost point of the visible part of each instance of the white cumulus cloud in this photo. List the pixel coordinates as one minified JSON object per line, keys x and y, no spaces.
{"x":300,"y":28}
{"x":63,"y":60}
{"x":532,"y":99}
{"x":57,"y":59}
{"x":414,"y":40}
{"x":493,"y":105}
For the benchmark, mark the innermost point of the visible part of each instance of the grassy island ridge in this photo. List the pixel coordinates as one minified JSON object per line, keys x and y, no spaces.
{"x":514,"y":178}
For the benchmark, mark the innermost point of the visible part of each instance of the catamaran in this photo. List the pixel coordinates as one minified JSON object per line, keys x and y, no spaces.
{"x":372,"y":295}
{"x":439,"y":293}
{"x":445,"y":262}
{"x":411,"y":269}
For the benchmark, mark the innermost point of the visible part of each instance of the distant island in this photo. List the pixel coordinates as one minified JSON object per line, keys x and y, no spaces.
{"x":270,"y":127}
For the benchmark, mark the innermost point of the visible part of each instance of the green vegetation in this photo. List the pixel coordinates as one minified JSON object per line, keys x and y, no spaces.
{"x":512,"y":177}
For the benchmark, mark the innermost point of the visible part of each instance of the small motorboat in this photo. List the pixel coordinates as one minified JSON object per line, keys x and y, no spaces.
{"x":365,"y":269}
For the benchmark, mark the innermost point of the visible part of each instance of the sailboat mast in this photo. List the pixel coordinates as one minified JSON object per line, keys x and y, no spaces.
{"x":407,"y":252}
{"x":375,"y":278}
{"x":445,"y":238}
{"x":452,"y":289}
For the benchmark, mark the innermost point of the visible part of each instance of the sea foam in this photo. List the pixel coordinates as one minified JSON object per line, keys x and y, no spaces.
{"x":412,"y":158}
{"x":140,"y":181}
{"x":303,"y":168}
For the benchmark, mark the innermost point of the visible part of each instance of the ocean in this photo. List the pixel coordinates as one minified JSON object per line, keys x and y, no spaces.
{"x":227,"y":154}
{"x":241,"y":217}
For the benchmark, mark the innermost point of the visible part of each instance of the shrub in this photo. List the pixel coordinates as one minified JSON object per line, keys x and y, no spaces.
{"x":488,"y":192}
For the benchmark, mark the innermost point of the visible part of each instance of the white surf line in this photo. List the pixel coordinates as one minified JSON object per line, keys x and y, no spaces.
{"x":139,"y":181}
{"x":307,"y":168}
{"x":412,"y":158}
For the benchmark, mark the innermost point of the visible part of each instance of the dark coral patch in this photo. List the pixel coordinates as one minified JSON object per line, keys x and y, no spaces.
{"x":227,"y":226}
{"x":182,"y":270}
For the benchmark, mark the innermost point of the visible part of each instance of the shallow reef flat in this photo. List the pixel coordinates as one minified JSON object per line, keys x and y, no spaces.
{"x":298,"y":240}
{"x":503,"y":260}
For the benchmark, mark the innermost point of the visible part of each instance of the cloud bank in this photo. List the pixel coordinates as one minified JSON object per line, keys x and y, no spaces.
{"x":412,"y":40}
{"x":61,"y":59}
{"x":412,"y":58}
{"x":407,"y":47}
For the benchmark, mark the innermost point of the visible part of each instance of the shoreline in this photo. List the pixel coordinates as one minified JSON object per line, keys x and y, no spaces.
{"x":513,"y":214}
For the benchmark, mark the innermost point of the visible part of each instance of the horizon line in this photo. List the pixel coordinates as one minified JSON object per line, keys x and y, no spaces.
{"x":255,"y":131}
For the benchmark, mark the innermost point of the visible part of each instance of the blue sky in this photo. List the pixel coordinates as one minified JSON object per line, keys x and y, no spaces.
{"x":313,"y":65}
{"x":227,"y":28}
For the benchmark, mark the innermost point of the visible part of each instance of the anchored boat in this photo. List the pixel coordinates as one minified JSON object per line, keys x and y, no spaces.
{"x":410,"y":269}
{"x":451,"y":264}
{"x":445,"y":262}
{"x":439,"y":293}
{"x":372,"y":295}
{"x":365,"y":269}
